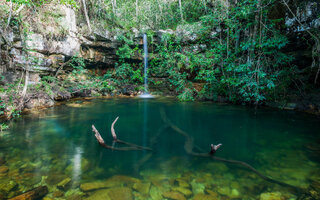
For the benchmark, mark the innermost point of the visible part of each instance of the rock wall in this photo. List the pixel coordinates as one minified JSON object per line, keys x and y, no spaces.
{"x":45,"y":54}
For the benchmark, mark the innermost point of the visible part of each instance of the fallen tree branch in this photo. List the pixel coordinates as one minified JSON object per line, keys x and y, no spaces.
{"x":103,"y":144}
{"x":188,"y":146}
{"x":36,"y":193}
{"x":116,"y":140}
{"x":113,"y":133}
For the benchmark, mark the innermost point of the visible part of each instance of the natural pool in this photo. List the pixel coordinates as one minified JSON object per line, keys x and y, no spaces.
{"x":57,"y":148}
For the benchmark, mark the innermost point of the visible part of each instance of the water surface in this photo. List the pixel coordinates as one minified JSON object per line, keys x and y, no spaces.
{"x":48,"y":147}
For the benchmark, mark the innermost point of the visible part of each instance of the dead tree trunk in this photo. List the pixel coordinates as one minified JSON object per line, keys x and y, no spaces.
{"x":116,"y":140}
{"x":188,"y":146}
{"x":36,"y":193}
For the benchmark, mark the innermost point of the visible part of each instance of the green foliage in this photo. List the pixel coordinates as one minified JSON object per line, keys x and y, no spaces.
{"x":72,"y":3}
{"x":3,"y":127}
{"x":127,"y":72}
{"x":242,"y":58}
{"x":78,"y":65}
{"x":2,"y":107}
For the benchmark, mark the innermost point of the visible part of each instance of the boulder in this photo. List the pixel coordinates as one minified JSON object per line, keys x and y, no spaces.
{"x":155,"y":193}
{"x":94,"y":186}
{"x":64,"y":184}
{"x":100,"y":194}
{"x":117,"y":180}
{"x":204,"y":197}
{"x":186,"y":192}
{"x":7,"y":186}
{"x":182,"y":182}
{"x":143,"y":188}
{"x":3,"y":169}
{"x":173,"y":195}
{"x":271,"y":196}
{"x":120,"y":193}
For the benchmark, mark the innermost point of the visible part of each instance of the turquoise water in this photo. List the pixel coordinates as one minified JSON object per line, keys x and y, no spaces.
{"x":47,"y":147}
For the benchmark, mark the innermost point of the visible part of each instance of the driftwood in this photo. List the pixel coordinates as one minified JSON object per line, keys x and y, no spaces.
{"x":36,"y":193}
{"x":131,"y":146}
{"x":188,"y":146}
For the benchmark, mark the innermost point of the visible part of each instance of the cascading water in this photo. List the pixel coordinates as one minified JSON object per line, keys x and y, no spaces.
{"x":145,"y":59}
{"x":145,"y":49}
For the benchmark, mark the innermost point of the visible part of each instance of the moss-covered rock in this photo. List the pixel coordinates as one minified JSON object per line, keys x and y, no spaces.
{"x":272,"y":196}
{"x":120,"y":193}
{"x":143,"y":188}
{"x":173,"y":195}
{"x":186,"y":192}
{"x":86,"y":187}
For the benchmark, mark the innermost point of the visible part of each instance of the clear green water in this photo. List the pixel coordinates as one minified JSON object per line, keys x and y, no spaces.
{"x":47,"y":147}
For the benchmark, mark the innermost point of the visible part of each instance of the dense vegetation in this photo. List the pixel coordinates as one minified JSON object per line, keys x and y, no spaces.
{"x":238,"y":52}
{"x":235,"y":51}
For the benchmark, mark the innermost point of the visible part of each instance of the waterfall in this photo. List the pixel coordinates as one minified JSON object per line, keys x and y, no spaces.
{"x":145,"y":60}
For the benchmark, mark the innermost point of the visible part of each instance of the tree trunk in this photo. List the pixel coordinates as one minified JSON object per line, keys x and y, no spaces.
{"x":10,"y":14}
{"x":137,"y":10}
{"x":26,"y":81}
{"x":86,"y":15}
{"x":181,"y":13}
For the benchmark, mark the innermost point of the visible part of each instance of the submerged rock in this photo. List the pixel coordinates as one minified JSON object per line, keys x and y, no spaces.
{"x":155,"y":193}
{"x":57,"y":193}
{"x":197,"y":188}
{"x":117,"y":193}
{"x":182,"y":183}
{"x":94,"y":186}
{"x":224,"y":191}
{"x":4,"y":169}
{"x":204,"y":197}
{"x":6,"y":187}
{"x":143,"y":188}
{"x":234,"y":193}
{"x":186,"y":192}
{"x":100,"y":194}
{"x":120,"y":193}
{"x":271,"y":196}
{"x":54,"y":179}
{"x":64,"y":184}
{"x":173,"y":195}
{"x":117,"y":180}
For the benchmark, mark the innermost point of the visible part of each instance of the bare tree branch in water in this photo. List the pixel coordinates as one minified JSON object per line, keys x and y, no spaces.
{"x":113,"y":133}
{"x":116,"y":140}
{"x":132,"y":147}
{"x":188,"y":146}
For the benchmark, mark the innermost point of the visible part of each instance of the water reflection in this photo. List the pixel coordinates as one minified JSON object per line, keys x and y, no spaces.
{"x":76,"y":171}
{"x":61,"y":145}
